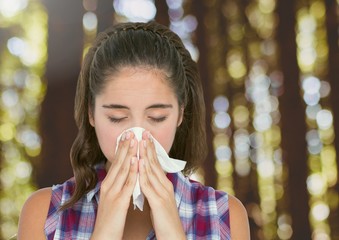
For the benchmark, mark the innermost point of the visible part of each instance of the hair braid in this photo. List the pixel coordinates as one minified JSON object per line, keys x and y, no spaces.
{"x":193,"y":99}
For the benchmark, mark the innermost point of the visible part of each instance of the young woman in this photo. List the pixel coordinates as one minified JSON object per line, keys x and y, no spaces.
{"x":135,"y":75}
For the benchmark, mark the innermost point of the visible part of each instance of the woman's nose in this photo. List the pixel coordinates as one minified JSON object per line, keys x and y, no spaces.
{"x":138,"y":123}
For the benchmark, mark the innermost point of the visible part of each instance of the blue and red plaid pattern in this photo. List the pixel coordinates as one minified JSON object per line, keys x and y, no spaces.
{"x":203,"y":211}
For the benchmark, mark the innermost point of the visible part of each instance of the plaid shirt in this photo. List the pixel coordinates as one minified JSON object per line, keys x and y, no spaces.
{"x":203,"y":211}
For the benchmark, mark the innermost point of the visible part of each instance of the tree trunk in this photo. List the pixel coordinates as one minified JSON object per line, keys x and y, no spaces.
{"x":65,"y":45}
{"x":333,"y":77}
{"x":199,"y":10}
{"x":162,"y":12}
{"x":293,"y":126}
{"x":105,"y":13}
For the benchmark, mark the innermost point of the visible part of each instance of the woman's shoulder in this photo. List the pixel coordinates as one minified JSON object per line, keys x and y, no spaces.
{"x":230,"y":210}
{"x":236,"y":204}
{"x":201,"y":191}
{"x":37,"y":202}
{"x":238,"y":219}
{"x":33,"y":215}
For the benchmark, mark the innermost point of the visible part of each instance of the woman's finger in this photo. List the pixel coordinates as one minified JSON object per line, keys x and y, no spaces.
{"x":156,"y":192}
{"x":144,"y":180}
{"x":153,"y":161}
{"x":120,"y":166}
{"x":131,"y":180}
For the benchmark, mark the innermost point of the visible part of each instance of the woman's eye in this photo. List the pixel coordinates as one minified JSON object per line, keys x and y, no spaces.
{"x":116,"y":120}
{"x":159,"y":119}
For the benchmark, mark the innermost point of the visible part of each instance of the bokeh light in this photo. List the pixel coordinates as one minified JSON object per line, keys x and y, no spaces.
{"x":135,"y":10}
{"x":246,"y":85}
{"x":313,"y":52}
{"x":23,"y":56}
{"x":90,"y":21}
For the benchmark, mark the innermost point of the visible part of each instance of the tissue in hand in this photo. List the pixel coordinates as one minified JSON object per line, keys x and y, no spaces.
{"x":169,"y":165}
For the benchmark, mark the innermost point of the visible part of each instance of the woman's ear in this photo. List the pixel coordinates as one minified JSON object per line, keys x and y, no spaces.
{"x":181,"y":115}
{"x":91,"y":117}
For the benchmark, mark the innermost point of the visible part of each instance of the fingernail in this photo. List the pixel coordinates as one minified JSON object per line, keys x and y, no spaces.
{"x":128,"y":135}
{"x":123,"y":137}
{"x":131,"y":143}
{"x":144,"y":143}
{"x":150,"y":138}
{"x":133,"y":160}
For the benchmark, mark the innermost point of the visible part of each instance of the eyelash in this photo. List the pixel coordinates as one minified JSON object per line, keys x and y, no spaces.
{"x":156,"y":120}
{"x":115,"y":120}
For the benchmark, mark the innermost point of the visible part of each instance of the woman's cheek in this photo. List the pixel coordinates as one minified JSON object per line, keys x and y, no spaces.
{"x":165,"y":138}
{"x":109,"y":150}
{"x":108,"y":143}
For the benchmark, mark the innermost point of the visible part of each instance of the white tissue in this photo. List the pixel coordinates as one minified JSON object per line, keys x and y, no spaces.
{"x":169,"y":165}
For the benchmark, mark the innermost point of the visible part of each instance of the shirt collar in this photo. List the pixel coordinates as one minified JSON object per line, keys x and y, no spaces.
{"x":100,"y":170}
{"x":179,"y":183}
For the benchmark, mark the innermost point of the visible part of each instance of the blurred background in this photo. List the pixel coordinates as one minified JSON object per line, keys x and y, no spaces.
{"x":270,"y":71}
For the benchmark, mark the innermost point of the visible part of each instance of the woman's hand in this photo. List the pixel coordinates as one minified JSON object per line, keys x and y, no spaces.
{"x":159,"y":192}
{"x":116,"y":190}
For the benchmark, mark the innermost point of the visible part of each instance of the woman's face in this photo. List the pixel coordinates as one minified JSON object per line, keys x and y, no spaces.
{"x":135,"y":97}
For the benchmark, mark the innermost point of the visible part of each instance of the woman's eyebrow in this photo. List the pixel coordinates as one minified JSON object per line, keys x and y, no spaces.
{"x":118,"y":106}
{"x":115,"y":106}
{"x":160,"y":105}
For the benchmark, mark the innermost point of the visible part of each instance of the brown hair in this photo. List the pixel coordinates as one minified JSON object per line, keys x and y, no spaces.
{"x":137,"y":44}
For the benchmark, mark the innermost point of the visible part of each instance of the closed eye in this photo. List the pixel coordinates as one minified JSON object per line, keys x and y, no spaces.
{"x":159,"y":119}
{"x":116,"y":120}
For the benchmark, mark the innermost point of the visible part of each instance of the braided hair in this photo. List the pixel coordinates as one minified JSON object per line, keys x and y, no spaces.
{"x":137,"y":45}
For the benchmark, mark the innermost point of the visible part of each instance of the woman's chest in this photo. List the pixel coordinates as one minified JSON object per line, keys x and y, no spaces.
{"x":138,"y":226}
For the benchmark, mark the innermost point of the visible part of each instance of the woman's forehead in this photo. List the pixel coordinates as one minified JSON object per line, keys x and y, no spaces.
{"x":137,"y":78}
{"x":137,"y":84}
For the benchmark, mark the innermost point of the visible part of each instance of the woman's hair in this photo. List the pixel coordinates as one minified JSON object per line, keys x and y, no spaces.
{"x":137,"y":45}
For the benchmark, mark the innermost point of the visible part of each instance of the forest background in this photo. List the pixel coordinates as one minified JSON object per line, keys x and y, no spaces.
{"x":270,"y":71}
